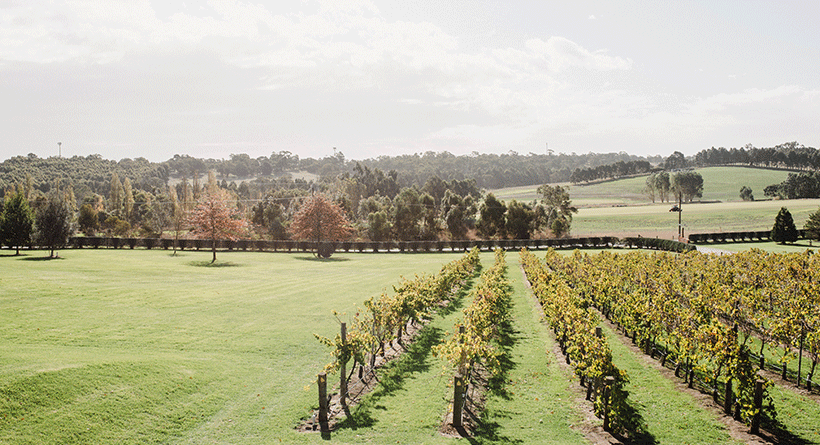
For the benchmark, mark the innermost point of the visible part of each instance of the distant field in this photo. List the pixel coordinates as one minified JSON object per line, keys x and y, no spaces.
{"x":719,"y":184}
{"x":656,"y":220}
{"x":620,"y":208}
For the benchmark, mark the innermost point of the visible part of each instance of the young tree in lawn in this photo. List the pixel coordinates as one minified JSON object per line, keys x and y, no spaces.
{"x":53,"y":221}
{"x":214,"y":219}
{"x":320,"y":219}
{"x":177,"y":216}
{"x":16,"y":222}
{"x":784,"y":230}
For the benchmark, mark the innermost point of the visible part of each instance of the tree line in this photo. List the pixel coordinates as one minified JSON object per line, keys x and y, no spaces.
{"x":366,"y":204}
{"x":792,"y":155}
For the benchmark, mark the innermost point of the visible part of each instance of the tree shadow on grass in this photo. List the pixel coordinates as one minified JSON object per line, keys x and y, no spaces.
{"x":41,"y":258}
{"x":321,"y":260}
{"x":488,"y":431}
{"x":210,"y":264}
{"x":393,"y":376}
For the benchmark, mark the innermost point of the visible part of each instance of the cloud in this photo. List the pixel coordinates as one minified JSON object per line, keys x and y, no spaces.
{"x":562,"y":53}
{"x":723,"y":101}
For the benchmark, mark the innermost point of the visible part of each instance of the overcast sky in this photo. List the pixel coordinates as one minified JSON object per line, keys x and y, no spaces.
{"x":138,"y":78}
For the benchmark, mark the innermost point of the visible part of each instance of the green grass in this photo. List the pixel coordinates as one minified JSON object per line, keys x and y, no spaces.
{"x":138,"y":346}
{"x":671,"y":416}
{"x":768,"y":246}
{"x":656,"y":220}
{"x":719,"y":184}
{"x":620,"y":208}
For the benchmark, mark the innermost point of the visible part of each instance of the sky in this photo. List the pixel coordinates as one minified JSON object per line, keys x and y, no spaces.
{"x":139,"y":78}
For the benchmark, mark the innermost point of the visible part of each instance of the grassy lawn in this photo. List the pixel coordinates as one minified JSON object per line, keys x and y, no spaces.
{"x":106,"y":346}
{"x":768,"y":246}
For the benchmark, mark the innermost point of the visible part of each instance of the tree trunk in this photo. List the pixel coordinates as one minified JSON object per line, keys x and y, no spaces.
{"x":213,"y":249}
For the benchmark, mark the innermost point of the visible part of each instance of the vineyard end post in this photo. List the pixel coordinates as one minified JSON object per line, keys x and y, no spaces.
{"x":608,"y":382}
{"x":323,"y":405}
{"x":343,"y":373}
{"x":458,"y":399}
{"x":758,"y":407}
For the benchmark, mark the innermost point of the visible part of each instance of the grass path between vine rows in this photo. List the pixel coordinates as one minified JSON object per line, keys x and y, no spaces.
{"x":531,"y":404}
{"x":535,"y":403}
{"x":671,"y":416}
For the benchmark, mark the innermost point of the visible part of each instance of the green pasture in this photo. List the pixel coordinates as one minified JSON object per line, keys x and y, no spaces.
{"x":621,"y":208}
{"x":719,"y":184}
{"x":657,"y":221}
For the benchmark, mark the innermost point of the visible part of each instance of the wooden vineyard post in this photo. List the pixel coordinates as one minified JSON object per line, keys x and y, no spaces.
{"x":608,"y":382}
{"x":728,"y":395}
{"x":323,"y":408}
{"x":758,"y":407}
{"x":800,"y":357}
{"x":343,"y":370}
{"x":458,"y":399}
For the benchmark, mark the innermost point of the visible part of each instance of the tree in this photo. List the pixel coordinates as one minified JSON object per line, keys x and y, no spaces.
{"x":213,"y":219}
{"x":378,"y":226}
{"x":688,"y":184}
{"x":650,"y":187}
{"x":812,"y":225}
{"x":560,"y":226}
{"x":557,"y":204}
{"x":127,"y":200}
{"x":16,"y":222}
{"x":491,"y":215}
{"x":177,"y":216}
{"x":520,"y":220}
{"x":408,"y":213}
{"x":115,"y":195}
{"x":746,"y":194}
{"x":662,"y":185}
{"x":320,"y":219}
{"x":675,"y":161}
{"x":53,"y":221}
{"x":270,"y":215}
{"x":88,"y":219}
{"x":784,"y":230}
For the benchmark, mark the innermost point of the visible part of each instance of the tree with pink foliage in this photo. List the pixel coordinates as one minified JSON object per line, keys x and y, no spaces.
{"x":214,"y":219}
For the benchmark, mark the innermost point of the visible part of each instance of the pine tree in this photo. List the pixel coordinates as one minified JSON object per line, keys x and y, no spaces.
{"x":784,"y":230}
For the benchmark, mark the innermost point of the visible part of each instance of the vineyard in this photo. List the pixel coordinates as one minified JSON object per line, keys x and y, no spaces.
{"x":700,"y":314}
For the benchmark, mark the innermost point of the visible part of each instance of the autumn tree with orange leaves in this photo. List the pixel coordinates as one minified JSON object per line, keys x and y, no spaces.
{"x":320,"y":219}
{"x":214,"y":219}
